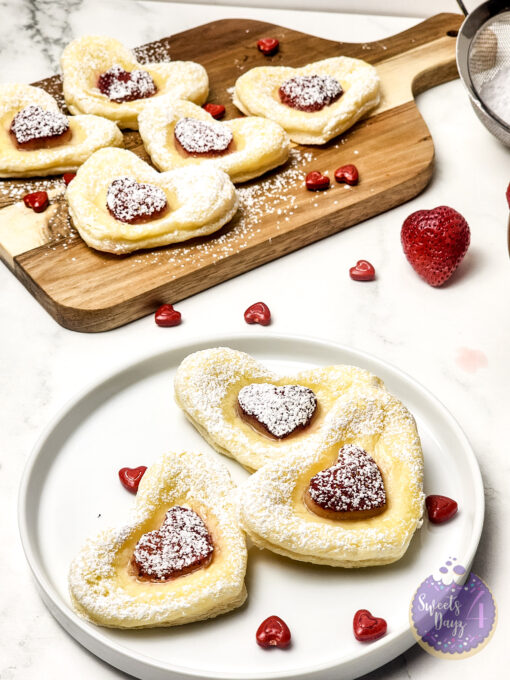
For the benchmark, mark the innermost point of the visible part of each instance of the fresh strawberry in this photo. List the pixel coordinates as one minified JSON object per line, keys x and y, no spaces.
{"x":434,"y":242}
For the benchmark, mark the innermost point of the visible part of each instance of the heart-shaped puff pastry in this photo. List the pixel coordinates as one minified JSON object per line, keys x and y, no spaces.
{"x":85,"y":59}
{"x":208,"y":385}
{"x":189,"y":494}
{"x":87,"y":134}
{"x":199,"y":201}
{"x":258,"y":144}
{"x":256,"y":93}
{"x":276,"y":517}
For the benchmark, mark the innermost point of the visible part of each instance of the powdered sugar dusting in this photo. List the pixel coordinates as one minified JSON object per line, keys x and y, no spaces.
{"x":310,"y":92}
{"x":198,"y":136}
{"x":128,"y":200}
{"x":280,"y":408}
{"x":353,"y":483}
{"x":33,"y":122}
{"x":181,"y":544}
{"x":120,"y":85}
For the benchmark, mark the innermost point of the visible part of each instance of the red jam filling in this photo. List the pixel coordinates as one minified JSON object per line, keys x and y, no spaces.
{"x":34,"y":128}
{"x":129,"y":201}
{"x":182,"y":544}
{"x":310,"y":93}
{"x":200,"y":138}
{"x":121,"y":86}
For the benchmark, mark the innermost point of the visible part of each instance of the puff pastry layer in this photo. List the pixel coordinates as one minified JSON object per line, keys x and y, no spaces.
{"x":207,"y":385}
{"x":86,"y":58}
{"x":256,"y":94}
{"x":200,"y":201}
{"x":259,"y":144}
{"x":89,"y":133}
{"x":102,"y":586}
{"x":271,"y":501}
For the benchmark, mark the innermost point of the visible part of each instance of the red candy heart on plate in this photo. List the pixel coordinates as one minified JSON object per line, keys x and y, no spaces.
{"x":434,"y":242}
{"x":316,"y":181}
{"x":38,"y":201}
{"x":217,"y":111}
{"x":348,"y":174}
{"x":258,"y":313}
{"x":268,"y":46}
{"x":440,"y":508}
{"x":130,"y":477}
{"x":363,"y":271}
{"x":273,"y":632}
{"x":166,"y":315}
{"x":68,"y":177}
{"x":367,"y":627}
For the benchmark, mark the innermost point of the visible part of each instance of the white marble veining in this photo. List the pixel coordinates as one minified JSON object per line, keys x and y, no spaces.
{"x":453,"y":340}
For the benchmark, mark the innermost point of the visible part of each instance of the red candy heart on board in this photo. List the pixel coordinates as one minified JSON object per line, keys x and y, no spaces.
{"x":68,"y":177}
{"x":348,"y":174}
{"x":38,"y":201}
{"x":166,"y":315}
{"x":367,"y":627}
{"x":130,"y":477}
{"x":440,"y":508}
{"x":316,"y":181}
{"x":268,"y":46}
{"x":434,"y":242}
{"x":273,"y":632}
{"x":258,"y":313}
{"x":217,"y":111}
{"x":363,"y":271}
{"x":508,"y":195}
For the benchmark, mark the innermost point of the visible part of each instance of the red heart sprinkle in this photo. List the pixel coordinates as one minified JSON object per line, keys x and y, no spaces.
{"x":166,"y":315}
{"x":273,"y":632}
{"x":217,"y":111}
{"x":347,"y":174}
{"x":68,"y":177}
{"x":268,"y":46}
{"x":130,"y":477}
{"x":367,"y":627}
{"x":440,"y":508}
{"x":38,"y":201}
{"x":363,"y":271}
{"x":316,"y":181}
{"x":258,"y":313}
{"x":508,"y":195}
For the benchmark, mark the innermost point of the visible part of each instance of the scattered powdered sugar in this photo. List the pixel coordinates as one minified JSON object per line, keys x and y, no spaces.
{"x":198,"y":136}
{"x":128,"y":200}
{"x":120,"y":85}
{"x":310,"y":93}
{"x":495,"y":94}
{"x":353,"y":483}
{"x":153,"y":53}
{"x":33,"y":122}
{"x":180,"y":544}
{"x":281,"y":409}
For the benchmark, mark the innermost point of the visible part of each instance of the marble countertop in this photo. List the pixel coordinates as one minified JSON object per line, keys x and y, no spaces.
{"x":453,"y":339}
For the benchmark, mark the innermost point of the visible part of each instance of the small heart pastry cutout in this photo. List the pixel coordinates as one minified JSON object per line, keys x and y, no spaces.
{"x":367,"y":627}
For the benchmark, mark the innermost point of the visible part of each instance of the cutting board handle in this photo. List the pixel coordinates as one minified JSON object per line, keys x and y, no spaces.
{"x":417,"y":59}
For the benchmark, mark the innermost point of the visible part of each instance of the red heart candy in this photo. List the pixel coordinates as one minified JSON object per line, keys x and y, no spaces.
{"x":273,"y":632}
{"x":363,"y":271}
{"x":316,"y":181}
{"x":508,"y":195}
{"x":217,"y":111}
{"x":258,"y":313}
{"x":38,"y":201}
{"x":367,"y":627}
{"x":166,"y":315}
{"x":440,"y":508}
{"x":130,"y":477}
{"x":268,"y":46}
{"x":434,"y":242}
{"x":68,"y":177}
{"x":347,"y":174}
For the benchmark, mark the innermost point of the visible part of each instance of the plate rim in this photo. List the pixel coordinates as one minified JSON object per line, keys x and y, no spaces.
{"x":80,"y":629}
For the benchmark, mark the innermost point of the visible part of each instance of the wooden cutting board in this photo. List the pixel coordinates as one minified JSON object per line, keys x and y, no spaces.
{"x":86,"y":290}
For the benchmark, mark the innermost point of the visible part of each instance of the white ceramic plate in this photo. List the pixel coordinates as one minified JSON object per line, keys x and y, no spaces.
{"x":70,"y":489}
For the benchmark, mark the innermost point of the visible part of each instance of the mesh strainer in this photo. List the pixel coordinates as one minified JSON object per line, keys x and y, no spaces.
{"x":483,"y":61}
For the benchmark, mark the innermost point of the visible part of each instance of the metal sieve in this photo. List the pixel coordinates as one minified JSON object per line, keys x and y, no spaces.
{"x":483,"y":50}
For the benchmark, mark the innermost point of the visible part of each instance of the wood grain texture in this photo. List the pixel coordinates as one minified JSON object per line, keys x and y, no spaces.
{"x":87,"y":290}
